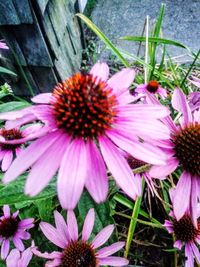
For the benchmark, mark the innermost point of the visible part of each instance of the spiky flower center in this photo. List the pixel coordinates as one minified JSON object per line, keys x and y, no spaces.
{"x":185,"y":230}
{"x":187,"y":148}
{"x":8,"y":227}
{"x":152,"y":86}
{"x":138,"y":166}
{"x":11,"y":134}
{"x":79,"y":254}
{"x":84,"y":106}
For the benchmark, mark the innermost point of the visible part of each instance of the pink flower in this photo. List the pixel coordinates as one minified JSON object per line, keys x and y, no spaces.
{"x":3,"y":45}
{"x":194,"y":100}
{"x":86,"y":119}
{"x":186,"y":234}
{"x":79,"y":252}
{"x":194,"y":80}
{"x":9,"y":151}
{"x":183,"y":149}
{"x":11,"y":227}
{"x":17,"y":259}
{"x":152,"y":87}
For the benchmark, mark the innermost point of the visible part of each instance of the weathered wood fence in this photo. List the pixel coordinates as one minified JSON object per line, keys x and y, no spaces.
{"x":45,"y":41}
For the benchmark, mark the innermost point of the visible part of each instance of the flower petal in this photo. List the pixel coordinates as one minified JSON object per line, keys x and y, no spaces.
{"x":18,"y":243}
{"x":97,"y":181}
{"x":13,"y":258}
{"x":72,"y":225}
{"x":88,"y":225}
{"x":71,"y":177}
{"x":100,"y":70}
{"x":7,"y":160}
{"x":103,"y":236}
{"x":182,"y":190}
{"x":61,"y":225}
{"x":5,"y":248}
{"x":118,"y":166}
{"x":163,"y":171}
{"x":107,"y":251}
{"x":43,"y":98}
{"x":113,"y":261}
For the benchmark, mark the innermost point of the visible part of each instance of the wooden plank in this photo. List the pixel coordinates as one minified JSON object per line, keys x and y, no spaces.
{"x":8,"y":13}
{"x":23,"y":11}
{"x":42,"y":4}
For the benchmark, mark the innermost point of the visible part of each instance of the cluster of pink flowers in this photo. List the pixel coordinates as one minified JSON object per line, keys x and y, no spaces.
{"x":91,"y":124}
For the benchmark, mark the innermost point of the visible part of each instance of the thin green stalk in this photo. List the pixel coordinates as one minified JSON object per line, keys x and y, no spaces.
{"x":189,"y":70}
{"x":133,"y":222}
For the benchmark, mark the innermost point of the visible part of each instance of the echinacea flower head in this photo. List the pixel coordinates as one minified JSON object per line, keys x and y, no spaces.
{"x":86,"y":119}
{"x":183,"y":150}
{"x":186,"y":234}
{"x":77,"y":251}
{"x":152,"y":87}
{"x":19,"y":259}
{"x":3,"y":45}
{"x":12,"y":228}
{"x":9,"y":150}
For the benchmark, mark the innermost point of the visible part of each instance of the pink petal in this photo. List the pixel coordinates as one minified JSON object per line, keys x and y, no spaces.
{"x":126,"y":98}
{"x":61,"y":225}
{"x":44,"y":98}
{"x":26,"y":257}
{"x":107,"y":251}
{"x":72,"y":174}
{"x":183,"y":190}
{"x":18,"y":243}
{"x":114,"y":261}
{"x":46,"y":255}
{"x":29,"y":156}
{"x":13,"y":123}
{"x":179,"y":102}
{"x":163,"y":171}
{"x":100,"y":70}
{"x":118,"y":166}
{"x":121,"y":80}
{"x":97,"y":181}
{"x":194,"y":199}
{"x":103,"y":236}
{"x":13,"y":258}
{"x":53,"y":235}
{"x":178,"y":244}
{"x":13,"y":115}
{"x":41,"y":173}
{"x":31,"y":129}
{"x":5,"y":248}
{"x":88,"y":225}
{"x":6,"y":211}
{"x":7,"y":160}
{"x":26,"y":223}
{"x":195,"y":251}
{"x":189,"y":255}
{"x":72,"y":225}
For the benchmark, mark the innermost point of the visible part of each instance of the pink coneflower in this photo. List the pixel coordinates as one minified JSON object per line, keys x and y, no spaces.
{"x":3,"y":45}
{"x":186,"y":234}
{"x":9,"y":151}
{"x":152,"y":87}
{"x":183,"y":149}
{"x":11,"y":227}
{"x":79,"y":252}
{"x":19,"y":259}
{"x":86,"y":119}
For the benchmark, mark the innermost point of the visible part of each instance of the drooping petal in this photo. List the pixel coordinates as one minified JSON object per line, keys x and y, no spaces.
{"x":107,"y":251}
{"x":88,"y":225}
{"x":7,"y":160}
{"x":189,"y":256}
{"x":29,"y":155}
{"x":195,"y":251}
{"x":71,"y":177}
{"x":72,"y":225}
{"x":100,"y":70}
{"x":194,"y":199}
{"x":121,"y":80}
{"x":118,"y":166}
{"x":5,"y":248}
{"x":52,"y":234}
{"x":103,"y":236}
{"x":18,"y":243}
{"x":41,"y":172}
{"x":113,"y":261}
{"x":178,"y":244}
{"x":13,"y":258}
{"x":179,"y":102}
{"x":26,"y":257}
{"x":183,"y":190}
{"x":163,"y":171}
{"x":43,"y":98}
{"x":97,"y":181}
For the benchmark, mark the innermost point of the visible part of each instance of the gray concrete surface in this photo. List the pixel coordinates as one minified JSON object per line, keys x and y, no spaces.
{"x":117,"y":18}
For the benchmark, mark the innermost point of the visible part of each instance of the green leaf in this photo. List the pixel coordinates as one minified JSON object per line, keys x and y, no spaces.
{"x":105,"y":39}
{"x":6,"y":71}
{"x":13,"y":192}
{"x":44,"y":208}
{"x":13,"y":105}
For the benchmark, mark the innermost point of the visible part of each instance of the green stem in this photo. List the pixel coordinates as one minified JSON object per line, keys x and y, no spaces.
{"x":133,"y":223}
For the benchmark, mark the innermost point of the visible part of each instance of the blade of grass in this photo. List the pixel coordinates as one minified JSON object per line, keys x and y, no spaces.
{"x":100,"y":34}
{"x":133,"y":222}
{"x":6,"y":71}
{"x":146,"y":50}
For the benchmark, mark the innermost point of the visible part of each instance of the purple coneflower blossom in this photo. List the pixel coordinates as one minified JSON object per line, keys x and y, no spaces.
{"x":11,"y":227}
{"x":183,"y":149}
{"x":77,"y":251}
{"x":9,"y":151}
{"x":152,"y":87}
{"x":186,"y":234}
{"x":3,"y":45}
{"x":19,"y":259}
{"x":86,"y":119}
